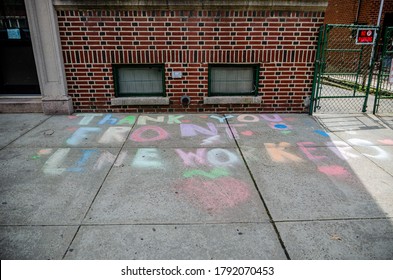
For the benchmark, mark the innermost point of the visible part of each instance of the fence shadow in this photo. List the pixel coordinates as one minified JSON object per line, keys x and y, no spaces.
{"x":345,"y":122}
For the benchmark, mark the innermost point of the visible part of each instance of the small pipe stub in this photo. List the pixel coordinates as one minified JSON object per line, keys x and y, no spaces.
{"x":185,"y":100}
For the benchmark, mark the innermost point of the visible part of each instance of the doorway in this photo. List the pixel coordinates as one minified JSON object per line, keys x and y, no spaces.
{"x":18,"y":73}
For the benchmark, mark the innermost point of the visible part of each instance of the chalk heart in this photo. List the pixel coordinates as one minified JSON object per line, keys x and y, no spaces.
{"x":72,"y":117}
{"x":214,"y":196}
{"x":247,"y":133}
{"x":334,"y":170}
{"x":386,"y":141}
{"x":72,"y":128}
{"x":45,"y":152}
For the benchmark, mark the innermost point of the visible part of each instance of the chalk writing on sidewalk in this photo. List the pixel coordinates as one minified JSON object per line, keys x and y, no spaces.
{"x":207,"y":175}
{"x":104,"y":130}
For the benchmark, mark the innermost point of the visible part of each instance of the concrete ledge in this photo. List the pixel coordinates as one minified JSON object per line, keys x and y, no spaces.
{"x":57,"y":107}
{"x":140,"y":101}
{"x":277,"y":5}
{"x":232,"y":100}
{"x":20,"y":105}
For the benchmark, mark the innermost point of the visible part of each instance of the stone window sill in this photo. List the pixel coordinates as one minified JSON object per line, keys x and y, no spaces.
{"x":232,"y":100}
{"x":140,"y":101}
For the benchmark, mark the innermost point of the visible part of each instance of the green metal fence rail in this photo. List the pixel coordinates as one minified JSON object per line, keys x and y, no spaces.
{"x":383,"y":102}
{"x":343,"y":70}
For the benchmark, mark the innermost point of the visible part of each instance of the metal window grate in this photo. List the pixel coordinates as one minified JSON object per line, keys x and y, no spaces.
{"x":139,"y":80}
{"x":233,"y":80}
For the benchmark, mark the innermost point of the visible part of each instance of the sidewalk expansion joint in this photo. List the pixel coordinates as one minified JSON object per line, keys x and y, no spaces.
{"x":72,"y":240}
{"x":99,"y":189}
{"x":333,"y":220}
{"x":138,"y":224}
{"x":175,"y":224}
{"x":23,"y":134}
{"x":260,"y":194}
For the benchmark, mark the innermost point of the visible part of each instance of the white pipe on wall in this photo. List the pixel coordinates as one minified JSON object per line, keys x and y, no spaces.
{"x":380,"y":12}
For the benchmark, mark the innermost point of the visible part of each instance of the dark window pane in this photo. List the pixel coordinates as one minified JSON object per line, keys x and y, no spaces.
{"x":232,"y":80}
{"x":140,"y":81}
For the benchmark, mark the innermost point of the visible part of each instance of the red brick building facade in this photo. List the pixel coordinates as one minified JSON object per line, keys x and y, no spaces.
{"x":161,"y":55}
{"x":363,"y":12}
{"x":188,"y":39}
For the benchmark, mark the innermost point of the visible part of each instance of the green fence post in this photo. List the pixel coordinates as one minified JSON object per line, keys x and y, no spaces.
{"x":387,"y":40}
{"x":316,"y":71}
{"x":377,"y":89}
{"x":322,"y":64}
{"x":371,"y":69}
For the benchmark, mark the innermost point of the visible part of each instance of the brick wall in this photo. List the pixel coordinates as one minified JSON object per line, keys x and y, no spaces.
{"x":283,"y":43}
{"x":369,"y":11}
{"x":345,"y":11}
{"x":341,"y":11}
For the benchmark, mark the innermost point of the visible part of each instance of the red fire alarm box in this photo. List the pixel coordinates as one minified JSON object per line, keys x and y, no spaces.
{"x":365,"y":36}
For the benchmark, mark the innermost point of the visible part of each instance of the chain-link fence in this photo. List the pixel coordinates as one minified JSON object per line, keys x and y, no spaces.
{"x":343,"y":74}
{"x":384,"y":94}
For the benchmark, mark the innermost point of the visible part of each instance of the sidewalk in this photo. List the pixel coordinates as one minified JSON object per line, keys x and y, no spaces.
{"x":262,"y":186}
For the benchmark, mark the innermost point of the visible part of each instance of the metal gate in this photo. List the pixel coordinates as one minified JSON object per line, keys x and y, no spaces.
{"x":343,"y":70}
{"x":384,"y":93}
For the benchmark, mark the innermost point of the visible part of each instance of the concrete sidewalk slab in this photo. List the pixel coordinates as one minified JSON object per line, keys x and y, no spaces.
{"x":377,"y":137}
{"x":177,"y":242}
{"x":35,"y":242}
{"x":349,"y":122}
{"x":191,"y":186}
{"x":381,"y":156}
{"x":339,"y":240}
{"x":319,"y":180}
{"x":50,"y":186}
{"x":13,"y":126}
{"x":184,"y":185}
{"x":387,"y":120}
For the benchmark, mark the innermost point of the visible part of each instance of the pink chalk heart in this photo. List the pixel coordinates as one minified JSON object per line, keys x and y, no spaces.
{"x":203,"y":117}
{"x":45,"y":152}
{"x":386,"y":141}
{"x":72,"y":117}
{"x":72,"y":128}
{"x":247,"y":133}
{"x":333,"y":170}
{"x":186,"y":121}
{"x":213,"y":195}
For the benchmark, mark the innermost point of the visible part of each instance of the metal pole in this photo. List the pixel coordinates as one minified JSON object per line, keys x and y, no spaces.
{"x":358,"y":12}
{"x":373,"y":50}
{"x":378,"y":23}
{"x":386,"y":37}
{"x":380,"y":12}
{"x":316,"y":72}
{"x":373,"y":53}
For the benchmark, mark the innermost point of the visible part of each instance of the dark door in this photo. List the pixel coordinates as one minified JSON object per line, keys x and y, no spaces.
{"x":18,"y":74}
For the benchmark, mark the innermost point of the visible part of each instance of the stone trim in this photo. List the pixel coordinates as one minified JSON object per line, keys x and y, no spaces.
{"x":232,"y":100}
{"x":140,"y":101}
{"x":20,"y":104}
{"x":270,"y":5}
{"x":48,"y":57}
